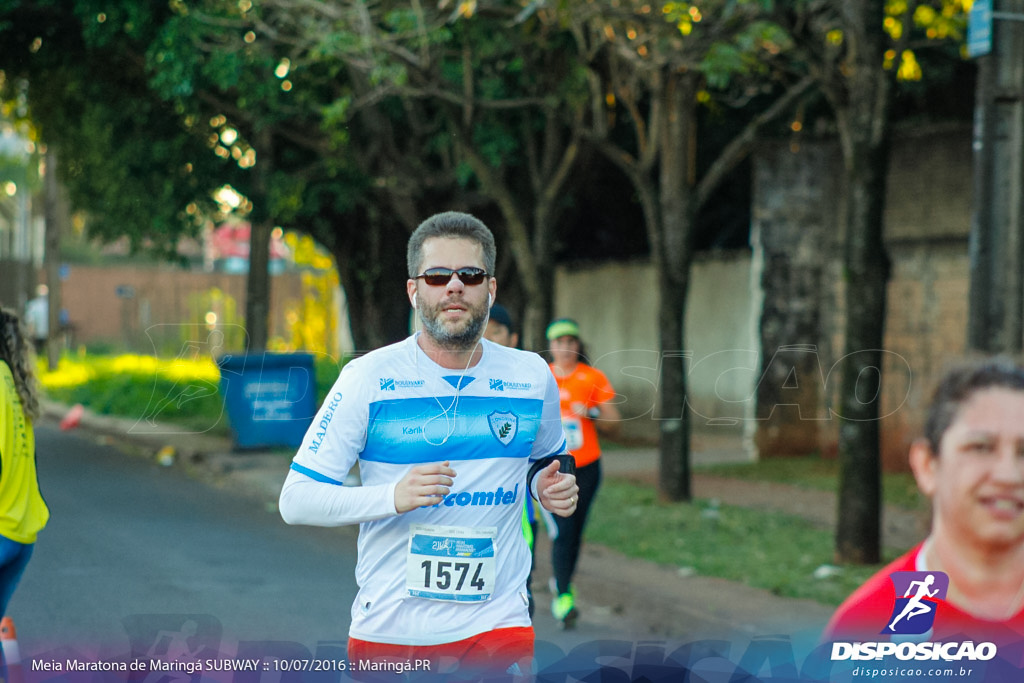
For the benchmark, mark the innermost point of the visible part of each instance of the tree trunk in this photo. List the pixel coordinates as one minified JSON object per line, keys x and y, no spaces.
{"x":51,"y":258}
{"x":677,"y":179}
{"x":372,"y":270}
{"x":858,"y":532}
{"x":674,"y":442}
{"x":257,"y":284}
{"x":864,"y":129}
{"x":794,"y":231}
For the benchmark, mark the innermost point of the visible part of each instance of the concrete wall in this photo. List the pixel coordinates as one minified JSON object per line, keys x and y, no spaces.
{"x":616,"y":307}
{"x":749,"y":314}
{"x":794,"y":240}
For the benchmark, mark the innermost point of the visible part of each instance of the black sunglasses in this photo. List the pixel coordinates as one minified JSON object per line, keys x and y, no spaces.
{"x":439,"y":277}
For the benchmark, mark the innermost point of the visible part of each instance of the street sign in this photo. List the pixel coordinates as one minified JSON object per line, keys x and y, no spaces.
{"x":979,"y":29}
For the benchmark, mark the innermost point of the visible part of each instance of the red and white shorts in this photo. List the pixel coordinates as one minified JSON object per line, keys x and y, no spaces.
{"x":503,"y":650}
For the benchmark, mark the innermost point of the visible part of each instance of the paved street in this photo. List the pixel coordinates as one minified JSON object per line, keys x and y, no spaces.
{"x":143,"y":561}
{"x":134,"y":548}
{"x":130,"y":538}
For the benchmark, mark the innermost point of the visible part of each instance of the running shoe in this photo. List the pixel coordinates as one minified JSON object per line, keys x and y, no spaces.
{"x":563,"y":608}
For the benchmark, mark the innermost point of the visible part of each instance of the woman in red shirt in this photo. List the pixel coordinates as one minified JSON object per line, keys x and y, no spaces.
{"x":970,"y":462}
{"x":587,"y":408}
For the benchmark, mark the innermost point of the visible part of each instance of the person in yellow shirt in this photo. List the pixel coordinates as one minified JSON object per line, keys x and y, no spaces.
{"x":23,"y":512}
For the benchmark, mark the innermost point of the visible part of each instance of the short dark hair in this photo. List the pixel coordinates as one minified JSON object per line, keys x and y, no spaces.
{"x":500,"y":315}
{"x":453,"y":225}
{"x":960,"y":384}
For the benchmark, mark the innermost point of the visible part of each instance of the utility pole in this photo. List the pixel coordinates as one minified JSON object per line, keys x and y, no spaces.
{"x":996,"y":248}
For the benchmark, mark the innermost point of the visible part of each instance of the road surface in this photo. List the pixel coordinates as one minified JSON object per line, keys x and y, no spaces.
{"x":139,"y":558}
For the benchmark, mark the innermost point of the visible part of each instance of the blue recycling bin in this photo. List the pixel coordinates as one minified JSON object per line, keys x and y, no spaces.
{"x":270,"y":398}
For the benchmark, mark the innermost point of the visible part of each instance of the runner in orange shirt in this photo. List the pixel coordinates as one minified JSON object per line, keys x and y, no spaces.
{"x":587,"y":408}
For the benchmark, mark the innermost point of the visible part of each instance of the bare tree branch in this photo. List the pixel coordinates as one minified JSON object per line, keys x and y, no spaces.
{"x":740,"y":146}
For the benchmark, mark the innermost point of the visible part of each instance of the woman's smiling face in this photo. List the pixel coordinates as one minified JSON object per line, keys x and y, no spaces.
{"x":976,"y":480}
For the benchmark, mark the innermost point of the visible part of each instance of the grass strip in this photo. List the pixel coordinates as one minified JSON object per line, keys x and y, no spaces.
{"x":773,"y":551}
{"x":815,"y":472}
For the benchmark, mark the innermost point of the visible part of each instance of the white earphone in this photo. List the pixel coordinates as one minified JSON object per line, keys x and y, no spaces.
{"x":490,"y":300}
{"x":414,"y":302}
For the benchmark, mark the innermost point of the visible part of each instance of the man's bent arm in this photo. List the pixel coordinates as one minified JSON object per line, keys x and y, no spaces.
{"x":305,"y":500}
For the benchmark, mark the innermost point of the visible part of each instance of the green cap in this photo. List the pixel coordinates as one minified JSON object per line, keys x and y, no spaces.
{"x":563,"y":328}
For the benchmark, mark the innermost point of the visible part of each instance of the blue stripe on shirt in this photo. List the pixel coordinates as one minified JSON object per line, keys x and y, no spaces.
{"x":427,"y":429}
{"x":314,"y":475}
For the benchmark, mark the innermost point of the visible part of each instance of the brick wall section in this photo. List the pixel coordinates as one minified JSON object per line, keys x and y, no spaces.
{"x":927,"y":222}
{"x":929,"y":184}
{"x":925,"y":331}
{"x":164,"y":298}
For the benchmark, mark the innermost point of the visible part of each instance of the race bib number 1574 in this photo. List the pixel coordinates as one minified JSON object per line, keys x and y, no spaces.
{"x":451,"y":563}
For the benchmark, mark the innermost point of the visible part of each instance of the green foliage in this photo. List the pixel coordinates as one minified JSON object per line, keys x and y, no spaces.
{"x":336,"y":115}
{"x":128,"y":160}
{"x":496,"y":143}
{"x":287,"y":196}
{"x":139,"y":387}
{"x":363,"y":106}
{"x":722,"y":62}
{"x":176,"y":391}
{"x":21,"y":171}
{"x":402,"y":21}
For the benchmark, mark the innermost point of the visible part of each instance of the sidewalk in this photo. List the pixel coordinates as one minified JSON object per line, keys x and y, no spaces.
{"x":624,"y":596}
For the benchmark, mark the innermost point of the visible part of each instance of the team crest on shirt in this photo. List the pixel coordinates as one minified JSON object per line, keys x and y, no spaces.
{"x":504,"y":426}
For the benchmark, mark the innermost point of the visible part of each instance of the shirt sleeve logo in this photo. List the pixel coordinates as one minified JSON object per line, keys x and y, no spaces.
{"x":917,"y":596}
{"x":504,"y":426}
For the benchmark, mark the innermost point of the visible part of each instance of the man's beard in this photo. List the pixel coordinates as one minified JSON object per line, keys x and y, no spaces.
{"x":449,"y":338}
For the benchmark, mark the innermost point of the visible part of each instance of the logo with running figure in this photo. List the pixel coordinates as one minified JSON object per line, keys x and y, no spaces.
{"x":504,"y":426}
{"x":917,"y":596}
